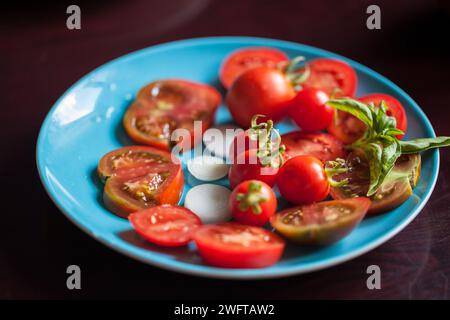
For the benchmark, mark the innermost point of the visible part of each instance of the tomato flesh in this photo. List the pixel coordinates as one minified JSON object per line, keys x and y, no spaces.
{"x":166,"y":105}
{"x":245,"y":59}
{"x":321,"y":223}
{"x":334,"y":77}
{"x":165,"y":225}
{"x":323,"y":146}
{"x":138,"y":178}
{"x":348,"y":128}
{"x":233,"y":245}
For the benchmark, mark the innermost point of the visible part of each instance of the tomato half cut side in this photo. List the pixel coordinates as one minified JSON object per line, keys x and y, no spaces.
{"x":166,"y":105}
{"x":245,"y":59}
{"x":396,"y":188}
{"x":133,"y":161}
{"x":165,"y":225}
{"x":335,"y":77}
{"x":232,"y":245}
{"x":348,"y":128}
{"x":321,"y":223}
{"x":323,"y":146}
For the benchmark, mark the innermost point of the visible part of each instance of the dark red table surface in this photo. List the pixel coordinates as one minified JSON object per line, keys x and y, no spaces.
{"x":40,"y":58}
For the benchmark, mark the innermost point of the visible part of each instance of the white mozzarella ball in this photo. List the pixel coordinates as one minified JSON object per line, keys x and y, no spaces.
{"x":207,"y":168}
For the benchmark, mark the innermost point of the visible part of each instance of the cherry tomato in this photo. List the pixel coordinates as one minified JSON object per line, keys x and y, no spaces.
{"x":165,"y":105}
{"x":140,"y":177}
{"x":323,"y":146}
{"x":348,"y":128}
{"x":253,"y":202}
{"x":248,"y":167}
{"x":261,"y":90}
{"x":310,"y":111}
{"x":302,"y":180}
{"x":395,"y":190}
{"x":232,"y":245}
{"x":245,"y":59}
{"x":165,"y":225}
{"x":335,"y":77}
{"x":321,"y":223}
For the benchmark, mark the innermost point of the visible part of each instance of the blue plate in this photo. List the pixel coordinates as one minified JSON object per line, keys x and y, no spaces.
{"x":85,"y":123}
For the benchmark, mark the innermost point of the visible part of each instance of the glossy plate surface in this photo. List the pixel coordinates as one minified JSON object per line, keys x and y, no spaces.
{"x":85,"y":123}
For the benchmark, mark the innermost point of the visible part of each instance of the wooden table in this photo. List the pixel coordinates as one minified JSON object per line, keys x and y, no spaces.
{"x":41,"y":58}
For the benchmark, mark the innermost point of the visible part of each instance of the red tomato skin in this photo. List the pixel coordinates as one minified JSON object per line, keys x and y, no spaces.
{"x":242,"y":141}
{"x":259,"y":91}
{"x":222,"y":256}
{"x":324,"y":72}
{"x":136,"y":220}
{"x":248,"y":216}
{"x":242,"y":170}
{"x":245,"y":59}
{"x":302,"y":180}
{"x":309,"y":111}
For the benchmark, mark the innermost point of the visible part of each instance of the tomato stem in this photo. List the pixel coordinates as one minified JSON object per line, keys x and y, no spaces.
{"x":252,"y":199}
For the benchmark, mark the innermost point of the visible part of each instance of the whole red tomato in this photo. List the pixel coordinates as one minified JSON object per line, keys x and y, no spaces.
{"x":302,"y":180}
{"x":253,"y":202}
{"x":248,"y":167}
{"x":262,"y":90}
{"x":310,"y":111}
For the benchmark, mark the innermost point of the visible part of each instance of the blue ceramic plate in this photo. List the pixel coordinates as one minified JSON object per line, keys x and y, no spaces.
{"x":85,"y":123}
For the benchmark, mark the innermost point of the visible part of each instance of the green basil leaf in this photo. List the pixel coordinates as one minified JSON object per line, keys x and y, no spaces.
{"x":419,"y":145}
{"x":354,"y":107}
{"x":374,"y":153}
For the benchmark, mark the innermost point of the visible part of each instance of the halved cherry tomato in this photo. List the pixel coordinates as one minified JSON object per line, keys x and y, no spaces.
{"x":310,"y":111}
{"x":248,"y":167}
{"x":261,"y":90}
{"x":232,"y":245}
{"x":302,"y":180}
{"x":165,"y":105}
{"x":395,"y":190}
{"x":323,"y":146}
{"x":321,"y":223}
{"x":348,"y":128}
{"x":337,"y":78}
{"x":138,"y":178}
{"x":245,"y":59}
{"x":166,"y":225}
{"x":253,"y":202}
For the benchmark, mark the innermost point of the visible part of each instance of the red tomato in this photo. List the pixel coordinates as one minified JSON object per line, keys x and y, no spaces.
{"x":323,"y":146}
{"x":302,"y":180}
{"x":333,"y":76}
{"x":310,"y":111}
{"x":262,"y":91}
{"x":139,"y":177}
{"x":165,"y":105}
{"x":348,"y":128}
{"x":253,"y":202}
{"x":165,"y":225}
{"x":232,"y":245}
{"x":245,"y":59}
{"x":248,"y":167}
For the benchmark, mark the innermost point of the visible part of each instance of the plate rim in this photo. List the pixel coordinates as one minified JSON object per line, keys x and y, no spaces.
{"x":240,"y":274}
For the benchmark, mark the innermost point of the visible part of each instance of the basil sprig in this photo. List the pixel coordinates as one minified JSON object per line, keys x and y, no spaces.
{"x":379,"y":142}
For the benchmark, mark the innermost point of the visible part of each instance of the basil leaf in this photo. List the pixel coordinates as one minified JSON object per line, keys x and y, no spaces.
{"x":374,"y":153}
{"x":419,"y":145}
{"x":391,"y":152}
{"x":354,"y":107}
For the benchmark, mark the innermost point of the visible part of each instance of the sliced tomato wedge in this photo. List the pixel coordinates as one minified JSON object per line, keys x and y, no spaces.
{"x":140,"y":177}
{"x":396,"y":188}
{"x":348,"y":128}
{"x":166,"y":225}
{"x":242,"y":60}
{"x":337,"y":78}
{"x":323,"y":146}
{"x":166,"y":105}
{"x":321,"y":223}
{"x":232,"y":245}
